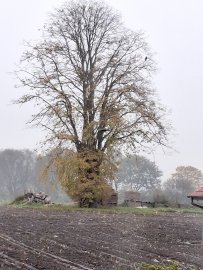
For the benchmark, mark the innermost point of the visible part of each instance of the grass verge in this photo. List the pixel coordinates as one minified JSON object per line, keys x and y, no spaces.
{"x":172,"y":266}
{"x":113,"y":210}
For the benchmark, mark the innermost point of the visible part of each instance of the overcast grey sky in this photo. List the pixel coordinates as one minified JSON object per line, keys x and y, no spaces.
{"x":174,"y":30}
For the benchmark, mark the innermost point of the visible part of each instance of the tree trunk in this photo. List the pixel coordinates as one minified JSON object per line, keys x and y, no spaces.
{"x":90,"y":179}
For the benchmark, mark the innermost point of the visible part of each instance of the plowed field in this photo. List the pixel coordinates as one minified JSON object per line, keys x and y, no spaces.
{"x":49,"y":239}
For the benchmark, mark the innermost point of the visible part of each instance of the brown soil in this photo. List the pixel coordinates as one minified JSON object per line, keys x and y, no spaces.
{"x":47,"y":239}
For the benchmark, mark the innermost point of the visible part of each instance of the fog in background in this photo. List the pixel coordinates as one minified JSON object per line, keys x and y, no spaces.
{"x":174,"y":32}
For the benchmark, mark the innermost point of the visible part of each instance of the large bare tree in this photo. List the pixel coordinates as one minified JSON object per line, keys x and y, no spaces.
{"x":90,"y":79}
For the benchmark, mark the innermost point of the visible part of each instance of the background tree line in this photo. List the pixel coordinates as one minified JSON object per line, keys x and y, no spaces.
{"x":22,"y":171}
{"x":137,"y":173}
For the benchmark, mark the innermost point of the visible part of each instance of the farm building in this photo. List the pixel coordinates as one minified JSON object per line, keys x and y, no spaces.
{"x":131,"y":198}
{"x":198,"y":197}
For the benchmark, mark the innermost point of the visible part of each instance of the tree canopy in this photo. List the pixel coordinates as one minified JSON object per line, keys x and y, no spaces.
{"x":138,"y":173}
{"x":90,"y":78}
{"x":185,"y":180}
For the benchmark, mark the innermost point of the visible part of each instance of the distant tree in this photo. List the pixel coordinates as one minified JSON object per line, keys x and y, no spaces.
{"x":185,"y":180}
{"x":17,"y":172}
{"x":159,"y":196}
{"x":90,"y":79}
{"x":138,"y":173}
{"x":21,"y":171}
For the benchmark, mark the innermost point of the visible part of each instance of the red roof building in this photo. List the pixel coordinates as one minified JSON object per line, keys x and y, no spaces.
{"x":196,"y":195}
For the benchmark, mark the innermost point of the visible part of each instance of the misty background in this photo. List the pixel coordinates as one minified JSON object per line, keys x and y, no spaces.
{"x":174,"y":32}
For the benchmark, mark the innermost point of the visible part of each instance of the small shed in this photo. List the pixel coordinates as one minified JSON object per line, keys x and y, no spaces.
{"x":112,"y":200}
{"x":197,"y":196}
{"x":132,"y":198}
